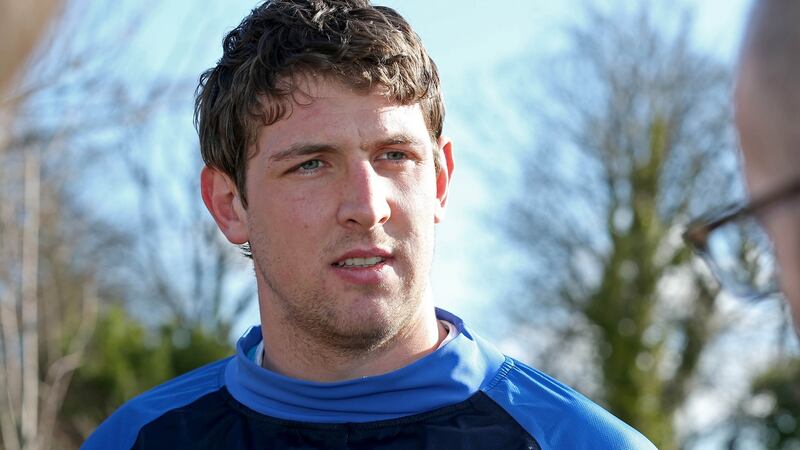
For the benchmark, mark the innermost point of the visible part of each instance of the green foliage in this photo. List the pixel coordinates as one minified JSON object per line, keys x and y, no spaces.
{"x":124,"y":359}
{"x":779,"y":428}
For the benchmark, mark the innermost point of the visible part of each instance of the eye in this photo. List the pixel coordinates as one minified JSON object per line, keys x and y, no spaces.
{"x":394,"y":156}
{"x":310,"y":165}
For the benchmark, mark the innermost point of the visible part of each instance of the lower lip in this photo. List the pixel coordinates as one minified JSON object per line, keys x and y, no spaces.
{"x":363,"y":275}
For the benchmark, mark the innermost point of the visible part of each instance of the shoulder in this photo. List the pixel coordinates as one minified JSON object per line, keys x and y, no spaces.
{"x":558,"y":416}
{"x":120,"y":430}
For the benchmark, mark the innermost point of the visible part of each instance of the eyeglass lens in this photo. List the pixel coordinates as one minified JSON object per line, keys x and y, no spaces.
{"x":742,"y":255}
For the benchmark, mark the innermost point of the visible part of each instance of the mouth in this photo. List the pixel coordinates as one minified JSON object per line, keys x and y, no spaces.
{"x":360,"y":262}
{"x":362,"y":259}
{"x":368,"y":266}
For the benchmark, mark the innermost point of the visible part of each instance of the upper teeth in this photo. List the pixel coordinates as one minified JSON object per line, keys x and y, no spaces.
{"x":362,"y":262}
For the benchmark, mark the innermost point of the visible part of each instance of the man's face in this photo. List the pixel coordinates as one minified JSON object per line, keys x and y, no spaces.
{"x":771,"y":150}
{"x":343,"y":197}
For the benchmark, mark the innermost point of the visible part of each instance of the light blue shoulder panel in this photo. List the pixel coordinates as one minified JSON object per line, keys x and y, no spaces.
{"x":557,"y":416}
{"x":121,"y":429}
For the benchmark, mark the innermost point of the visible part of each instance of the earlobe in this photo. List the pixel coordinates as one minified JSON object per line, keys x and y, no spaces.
{"x":444,"y":176}
{"x":222,"y":201}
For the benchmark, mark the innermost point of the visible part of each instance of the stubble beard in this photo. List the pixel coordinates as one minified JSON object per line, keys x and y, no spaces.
{"x":315,"y":316}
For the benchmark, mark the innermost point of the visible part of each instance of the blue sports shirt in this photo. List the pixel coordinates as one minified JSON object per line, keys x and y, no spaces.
{"x":465,"y":395}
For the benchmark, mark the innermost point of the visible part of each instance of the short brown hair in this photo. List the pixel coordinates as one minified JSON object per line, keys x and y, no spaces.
{"x":351,"y":41}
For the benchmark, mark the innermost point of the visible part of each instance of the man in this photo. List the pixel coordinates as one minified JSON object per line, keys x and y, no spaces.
{"x":754,"y":249}
{"x":321,"y":130}
{"x":22,"y":26}
{"x":768,"y":119}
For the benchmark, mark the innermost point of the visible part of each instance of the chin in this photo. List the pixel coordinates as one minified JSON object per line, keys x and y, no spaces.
{"x":367,"y":324}
{"x":360,"y":337}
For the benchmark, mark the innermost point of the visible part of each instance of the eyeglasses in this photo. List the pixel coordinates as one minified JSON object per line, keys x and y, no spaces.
{"x":736,"y":246}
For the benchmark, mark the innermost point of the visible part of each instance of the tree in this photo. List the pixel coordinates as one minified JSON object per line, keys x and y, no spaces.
{"x":63,"y":120}
{"x":635,"y":138}
{"x":771,"y":416}
{"x":128,"y":358}
{"x":179,"y":262}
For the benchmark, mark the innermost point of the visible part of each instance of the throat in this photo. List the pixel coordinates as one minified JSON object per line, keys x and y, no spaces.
{"x":309,"y":360}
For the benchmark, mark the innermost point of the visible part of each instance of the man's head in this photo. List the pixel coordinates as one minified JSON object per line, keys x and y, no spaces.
{"x":280,"y":44}
{"x":321,"y":132}
{"x":768,"y":120}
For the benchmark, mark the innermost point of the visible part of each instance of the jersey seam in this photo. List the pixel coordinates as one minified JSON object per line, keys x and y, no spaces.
{"x":175,"y":410}
{"x":219,"y":385}
{"x":502,"y":374}
{"x":402,"y":420}
{"x":510,"y":418}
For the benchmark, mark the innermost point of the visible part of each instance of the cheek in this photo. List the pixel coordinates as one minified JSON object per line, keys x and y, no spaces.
{"x":418,"y":199}
{"x":305,"y":213}
{"x":415,"y":208}
{"x":787,"y":241}
{"x":769,"y":162}
{"x":290,"y":212}
{"x":787,"y":249}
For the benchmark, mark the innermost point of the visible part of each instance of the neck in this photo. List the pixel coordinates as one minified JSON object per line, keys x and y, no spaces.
{"x":290,"y":351}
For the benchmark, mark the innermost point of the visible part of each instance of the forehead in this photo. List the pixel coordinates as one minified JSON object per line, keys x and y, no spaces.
{"x":322,"y":110}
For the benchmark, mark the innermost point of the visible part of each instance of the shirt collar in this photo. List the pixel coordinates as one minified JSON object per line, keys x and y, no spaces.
{"x":449,"y":375}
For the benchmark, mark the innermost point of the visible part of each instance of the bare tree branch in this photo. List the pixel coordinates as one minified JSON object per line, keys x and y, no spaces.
{"x":30,"y":304}
{"x":635,"y":121}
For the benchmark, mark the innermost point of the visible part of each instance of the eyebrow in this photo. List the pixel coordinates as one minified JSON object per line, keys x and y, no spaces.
{"x":298,"y":150}
{"x":304,"y":149}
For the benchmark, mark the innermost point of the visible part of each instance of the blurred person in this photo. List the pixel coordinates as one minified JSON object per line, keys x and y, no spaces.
{"x":768,"y":120}
{"x":321,"y":131}
{"x":767,"y":113}
{"x":22,"y":26}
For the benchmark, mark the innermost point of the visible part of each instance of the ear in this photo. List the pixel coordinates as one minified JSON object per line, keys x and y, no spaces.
{"x":223,"y":202}
{"x":444,"y":176}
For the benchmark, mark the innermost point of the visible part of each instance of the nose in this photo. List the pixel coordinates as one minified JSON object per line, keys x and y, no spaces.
{"x":365,"y":202}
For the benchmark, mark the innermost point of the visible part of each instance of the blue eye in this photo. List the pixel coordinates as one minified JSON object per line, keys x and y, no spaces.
{"x":311,"y":164}
{"x":395,"y":156}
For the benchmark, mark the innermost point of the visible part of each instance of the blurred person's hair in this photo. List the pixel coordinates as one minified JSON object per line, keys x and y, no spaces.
{"x":283,"y":43}
{"x":772,"y":47}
